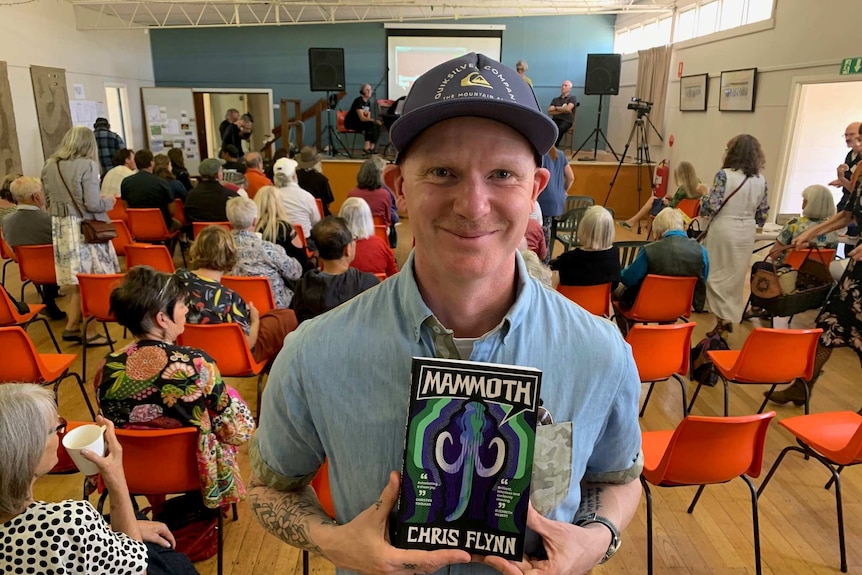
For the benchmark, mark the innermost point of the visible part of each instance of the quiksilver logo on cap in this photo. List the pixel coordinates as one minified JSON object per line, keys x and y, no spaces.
{"x":475,"y":79}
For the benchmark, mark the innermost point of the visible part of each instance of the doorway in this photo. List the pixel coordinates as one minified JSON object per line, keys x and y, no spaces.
{"x":210,"y":109}
{"x":117,"y":108}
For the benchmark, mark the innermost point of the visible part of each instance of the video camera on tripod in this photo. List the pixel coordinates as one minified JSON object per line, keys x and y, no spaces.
{"x":642,"y":107}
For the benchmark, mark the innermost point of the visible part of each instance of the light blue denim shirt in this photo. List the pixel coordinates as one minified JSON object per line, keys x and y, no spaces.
{"x":339,"y":388}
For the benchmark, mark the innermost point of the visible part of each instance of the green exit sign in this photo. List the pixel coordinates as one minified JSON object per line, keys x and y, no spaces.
{"x":851,"y":66}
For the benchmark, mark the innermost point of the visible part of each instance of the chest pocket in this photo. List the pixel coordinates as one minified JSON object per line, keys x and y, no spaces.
{"x":552,"y":466}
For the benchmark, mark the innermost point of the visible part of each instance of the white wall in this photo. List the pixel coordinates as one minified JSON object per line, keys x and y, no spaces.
{"x":808,"y":39}
{"x":43,"y":33}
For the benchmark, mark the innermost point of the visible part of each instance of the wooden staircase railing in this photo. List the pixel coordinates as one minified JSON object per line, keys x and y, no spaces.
{"x":297,"y":120}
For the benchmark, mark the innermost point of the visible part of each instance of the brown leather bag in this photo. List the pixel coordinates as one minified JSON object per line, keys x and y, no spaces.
{"x":94,"y":231}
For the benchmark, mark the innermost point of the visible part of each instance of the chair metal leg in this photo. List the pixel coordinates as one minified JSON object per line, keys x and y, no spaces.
{"x":50,"y":331}
{"x":233,"y":509}
{"x":694,"y":397}
{"x":766,"y":398}
{"x":646,"y":399}
{"x":684,"y":400}
{"x":304,"y":562}
{"x":648,"y":494}
{"x":831,"y":481}
{"x":836,"y":478}
{"x":3,"y":278}
{"x":775,"y":465}
{"x":84,"y":348}
{"x":755,"y":522}
{"x":220,"y":551}
{"x":23,"y":285}
{"x":107,"y":336}
{"x":726,"y":396}
{"x":696,"y":499}
{"x":259,"y":395}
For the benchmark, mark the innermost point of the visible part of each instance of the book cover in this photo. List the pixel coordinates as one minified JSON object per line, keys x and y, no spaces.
{"x":468,"y":457}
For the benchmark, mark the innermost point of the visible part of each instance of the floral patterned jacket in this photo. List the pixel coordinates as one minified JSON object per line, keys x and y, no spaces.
{"x":152,"y":384}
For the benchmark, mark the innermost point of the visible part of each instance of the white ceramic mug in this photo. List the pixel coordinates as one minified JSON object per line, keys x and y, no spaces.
{"x":90,"y":437}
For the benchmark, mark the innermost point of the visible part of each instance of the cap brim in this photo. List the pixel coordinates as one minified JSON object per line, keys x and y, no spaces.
{"x":536,"y":127}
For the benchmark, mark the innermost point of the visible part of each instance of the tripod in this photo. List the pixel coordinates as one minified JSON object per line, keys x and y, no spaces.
{"x":333,"y":139}
{"x":596,"y":132}
{"x":639,"y":133}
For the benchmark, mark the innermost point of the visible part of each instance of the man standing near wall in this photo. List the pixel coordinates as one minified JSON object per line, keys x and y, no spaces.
{"x":230,"y":117}
{"x":562,"y":110}
{"x":109,"y":143}
{"x":853,"y":139}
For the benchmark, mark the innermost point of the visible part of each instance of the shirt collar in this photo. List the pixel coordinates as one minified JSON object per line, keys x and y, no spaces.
{"x":675,"y":233}
{"x":29,"y":207}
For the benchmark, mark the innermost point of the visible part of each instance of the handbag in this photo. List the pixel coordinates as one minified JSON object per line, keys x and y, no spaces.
{"x":702,"y":236}
{"x":811,"y":284}
{"x":94,"y":231}
{"x":694,"y":229}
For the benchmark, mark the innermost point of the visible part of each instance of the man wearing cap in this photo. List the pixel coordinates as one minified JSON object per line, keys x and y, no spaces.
{"x":562,"y":110}
{"x":254,"y":174}
{"x":108,"y":142}
{"x":207,"y":200}
{"x":470,"y":143}
{"x":310,"y":177}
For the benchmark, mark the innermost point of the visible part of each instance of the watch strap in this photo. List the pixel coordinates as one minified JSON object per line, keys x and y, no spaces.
{"x":615,"y":533}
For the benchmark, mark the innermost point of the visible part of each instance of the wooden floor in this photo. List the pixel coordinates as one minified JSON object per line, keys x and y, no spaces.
{"x":797,"y":516}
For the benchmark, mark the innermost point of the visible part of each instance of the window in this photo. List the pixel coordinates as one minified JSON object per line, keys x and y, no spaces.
{"x":117,"y":106}
{"x":731,"y":14}
{"x":758,"y":10}
{"x":664,"y":29}
{"x":685,"y":25}
{"x":621,"y":43}
{"x":707,"y":18}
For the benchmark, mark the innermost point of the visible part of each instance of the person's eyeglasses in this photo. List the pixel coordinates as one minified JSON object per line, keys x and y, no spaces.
{"x":163,"y":291}
{"x":61,"y":427}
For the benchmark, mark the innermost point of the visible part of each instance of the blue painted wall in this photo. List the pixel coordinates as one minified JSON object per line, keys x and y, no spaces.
{"x":276,"y":57}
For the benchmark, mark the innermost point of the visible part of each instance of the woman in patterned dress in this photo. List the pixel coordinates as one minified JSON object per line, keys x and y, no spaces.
{"x":154,"y":383}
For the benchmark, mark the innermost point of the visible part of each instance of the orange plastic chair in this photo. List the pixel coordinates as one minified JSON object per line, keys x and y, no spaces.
{"x":252,"y":289}
{"x":380,"y":275}
{"x":300,"y":233}
{"x":661,"y":299}
{"x":661,"y":352}
{"x":378,"y":220}
{"x":319,"y":203}
{"x":124,"y":237}
{"x":36,"y":265}
{"x":96,"y":305}
{"x":155,"y":256}
{"x":795,"y":258}
{"x":118,"y":212}
{"x":768,"y":357}
{"x":320,"y":484}
{"x":595,"y":299}
{"x":180,"y":212}
{"x":197,"y":227}
{"x":835,"y":440}
{"x":163,"y":462}
{"x":341,"y":128}
{"x":7,"y":254}
{"x":9,"y":316}
{"x":383,"y":233}
{"x":704,"y":451}
{"x":31,"y":366}
{"x":226,"y":344}
{"x":148,"y":225}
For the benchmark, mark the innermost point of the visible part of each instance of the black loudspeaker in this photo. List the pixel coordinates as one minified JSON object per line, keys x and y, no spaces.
{"x":603,"y":74}
{"x":326,"y":69}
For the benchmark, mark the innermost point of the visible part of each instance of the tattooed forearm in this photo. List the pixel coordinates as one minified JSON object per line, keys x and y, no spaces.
{"x":591,"y":500}
{"x":289,"y":515}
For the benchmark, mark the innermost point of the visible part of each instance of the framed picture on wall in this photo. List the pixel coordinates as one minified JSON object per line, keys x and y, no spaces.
{"x":737,"y":90}
{"x":692,"y":93}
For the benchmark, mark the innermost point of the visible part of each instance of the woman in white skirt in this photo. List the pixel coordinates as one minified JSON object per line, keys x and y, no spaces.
{"x":74,"y":169}
{"x":736,"y":206}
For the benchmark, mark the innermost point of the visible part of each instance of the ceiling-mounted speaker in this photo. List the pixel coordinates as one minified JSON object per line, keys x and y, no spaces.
{"x":326,"y":69}
{"x":603,"y":74}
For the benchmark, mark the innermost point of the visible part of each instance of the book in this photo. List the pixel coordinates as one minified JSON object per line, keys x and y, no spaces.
{"x":468,"y":457}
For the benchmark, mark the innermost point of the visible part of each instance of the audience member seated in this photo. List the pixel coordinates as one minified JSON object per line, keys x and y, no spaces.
{"x":311,"y":179}
{"x":206,"y":201}
{"x":372,"y":253}
{"x":395,"y":218}
{"x":817,"y":207}
{"x":30,"y":225}
{"x":535,"y":237}
{"x":369,"y":187}
{"x":274,"y":226}
{"x":258,"y":257}
{"x":230,"y":154}
{"x":56,"y":533}
{"x":276,"y":156}
{"x":7,"y":201}
{"x":320,"y":291}
{"x":213,"y":255}
{"x":155,"y":384}
{"x":146,"y":190}
{"x":689,"y":188}
{"x":254,"y":175}
{"x":124,"y":166}
{"x":299,"y":205}
{"x":562,"y":110}
{"x":178,"y":166}
{"x":675,"y":254}
{"x":163,"y":168}
{"x":596,"y":261}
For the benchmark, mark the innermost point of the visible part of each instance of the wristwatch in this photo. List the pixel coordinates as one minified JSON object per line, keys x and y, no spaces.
{"x":615,"y":534}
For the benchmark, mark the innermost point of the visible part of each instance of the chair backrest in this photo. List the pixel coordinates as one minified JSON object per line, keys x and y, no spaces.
{"x":690,"y":207}
{"x":160,"y":461}
{"x":155,"y":256}
{"x":320,"y":484}
{"x":300,"y":233}
{"x":663,"y":298}
{"x":124,"y":237}
{"x":118,"y":212}
{"x":573,"y":202}
{"x":378,"y":220}
{"x":225,"y":343}
{"x":254,"y":289}
{"x":147,"y":224}
{"x":382,"y":233}
{"x":707,"y":450}
{"x":180,"y":211}
{"x":96,"y":294}
{"x":629,"y":250}
{"x":777,"y":355}
{"x":595,"y":299}
{"x":6,"y":252}
{"x":661,"y":350}
{"x":27,"y":366}
{"x":340,"y":116}
{"x":36,"y":263}
{"x":198,"y":227}
{"x":380,"y":275}
{"x":319,"y":203}
{"x":795,"y":258}
{"x":8,"y":312}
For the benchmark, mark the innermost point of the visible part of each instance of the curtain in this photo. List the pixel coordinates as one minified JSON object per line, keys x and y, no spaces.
{"x":653,"y":72}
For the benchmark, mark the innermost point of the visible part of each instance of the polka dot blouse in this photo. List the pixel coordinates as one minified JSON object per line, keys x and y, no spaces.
{"x":67,"y":538}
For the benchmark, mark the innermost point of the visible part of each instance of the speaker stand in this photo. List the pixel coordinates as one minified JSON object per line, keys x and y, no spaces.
{"x":332,"y":137}
{"x":596,"y":133}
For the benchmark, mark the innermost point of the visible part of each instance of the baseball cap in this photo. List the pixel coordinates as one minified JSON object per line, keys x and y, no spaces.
{"x":473,"y":85}
{"x":210,"y":166}
{"x":285,"y":166}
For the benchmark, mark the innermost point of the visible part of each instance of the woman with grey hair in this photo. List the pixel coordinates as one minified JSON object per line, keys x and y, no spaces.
{"x":29,"y":439}
{"x":521,"y":68}
{"x":596,"y":261}
{"x":818,"y":205}
{"x":258,"y":257}
{"x":372,"y":253}
{"x":369,"y":187}
{"x":71,"y":182}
